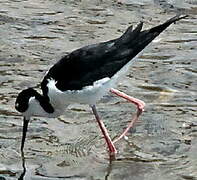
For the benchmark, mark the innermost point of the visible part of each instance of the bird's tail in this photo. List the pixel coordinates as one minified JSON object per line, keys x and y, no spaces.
{"x":163,"y":26}
{"x":134,"y":41}
{"x":146,"y":36}
{"x":134,"y":37}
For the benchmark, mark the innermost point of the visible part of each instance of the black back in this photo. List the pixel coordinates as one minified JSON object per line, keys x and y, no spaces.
{"x":88,"y":64}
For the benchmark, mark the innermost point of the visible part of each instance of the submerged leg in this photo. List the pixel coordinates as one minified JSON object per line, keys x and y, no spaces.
{"x":111,"y":147}
{"x":25,"y":126}
{"x":140,"y":108}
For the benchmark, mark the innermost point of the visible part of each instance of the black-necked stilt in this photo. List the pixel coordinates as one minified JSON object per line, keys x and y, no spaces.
{"x":86,"y":75}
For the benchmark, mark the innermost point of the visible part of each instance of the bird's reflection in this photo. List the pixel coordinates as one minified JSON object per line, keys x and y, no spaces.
{"x":23,"y":163}
{"x":109,"y":168}
{"x":23,"y":166}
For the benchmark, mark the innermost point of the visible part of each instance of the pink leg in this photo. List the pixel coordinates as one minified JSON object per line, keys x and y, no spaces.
{"x":112,"y":149}
{"x":140,"y":108}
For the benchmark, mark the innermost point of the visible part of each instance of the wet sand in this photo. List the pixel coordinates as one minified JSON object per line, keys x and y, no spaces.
{"x":35,"y":34}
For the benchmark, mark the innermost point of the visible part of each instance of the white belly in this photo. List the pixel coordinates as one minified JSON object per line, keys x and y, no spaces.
{"x":88,"y":95}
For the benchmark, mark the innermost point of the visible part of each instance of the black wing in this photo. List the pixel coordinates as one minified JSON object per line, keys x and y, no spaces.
{"x":85,"y":65}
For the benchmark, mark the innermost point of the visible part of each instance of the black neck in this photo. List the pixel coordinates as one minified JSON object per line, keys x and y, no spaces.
{"x":44,"y":102}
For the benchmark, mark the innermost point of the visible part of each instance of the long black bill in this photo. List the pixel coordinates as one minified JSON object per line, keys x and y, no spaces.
{"x":25,"y":126}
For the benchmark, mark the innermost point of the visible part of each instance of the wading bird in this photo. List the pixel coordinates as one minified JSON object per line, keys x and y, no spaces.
{"x":86,"y":75}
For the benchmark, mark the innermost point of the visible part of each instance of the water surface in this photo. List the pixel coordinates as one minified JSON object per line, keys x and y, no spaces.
{"x":35,"y":34}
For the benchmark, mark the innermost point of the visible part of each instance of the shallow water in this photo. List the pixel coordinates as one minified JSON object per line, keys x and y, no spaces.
{"x":35,"y":34}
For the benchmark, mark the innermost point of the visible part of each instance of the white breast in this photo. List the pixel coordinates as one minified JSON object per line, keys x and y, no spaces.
{"x":35,"y":109}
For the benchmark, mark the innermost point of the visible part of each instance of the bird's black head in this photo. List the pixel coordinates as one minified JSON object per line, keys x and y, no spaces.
{"x":22,"y":100}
